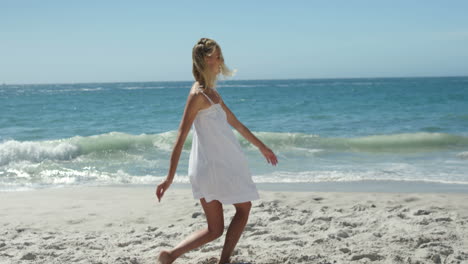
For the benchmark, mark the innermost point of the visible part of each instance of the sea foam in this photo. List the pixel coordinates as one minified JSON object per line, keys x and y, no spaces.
{"x":463,"y":155}
{"x":307,"y":144}
{"x":13,"y":150}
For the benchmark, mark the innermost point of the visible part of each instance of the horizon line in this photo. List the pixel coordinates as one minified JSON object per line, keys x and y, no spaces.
{"x":221,"y":80}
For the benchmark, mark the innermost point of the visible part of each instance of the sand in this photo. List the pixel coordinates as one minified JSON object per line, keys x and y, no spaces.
{"x":128,"y":225}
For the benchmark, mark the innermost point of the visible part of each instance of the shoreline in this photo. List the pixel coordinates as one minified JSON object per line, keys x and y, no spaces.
{"x":377,"y":186}
{"x":128,"y":225}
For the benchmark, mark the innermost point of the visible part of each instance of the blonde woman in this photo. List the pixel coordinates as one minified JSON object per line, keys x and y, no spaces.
{"x":218,"y":168}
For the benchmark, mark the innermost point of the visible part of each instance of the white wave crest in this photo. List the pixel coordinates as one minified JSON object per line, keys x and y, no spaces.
{"x":463,"y":155}
{"x":13,"y":151}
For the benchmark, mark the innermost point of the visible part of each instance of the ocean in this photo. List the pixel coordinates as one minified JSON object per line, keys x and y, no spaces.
{"x":412,"y":131}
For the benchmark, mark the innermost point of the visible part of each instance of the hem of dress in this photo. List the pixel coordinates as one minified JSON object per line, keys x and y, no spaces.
{"x":229,"y":200}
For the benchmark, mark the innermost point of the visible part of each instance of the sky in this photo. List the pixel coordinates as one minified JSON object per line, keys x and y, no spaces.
{"x":56,"y":41}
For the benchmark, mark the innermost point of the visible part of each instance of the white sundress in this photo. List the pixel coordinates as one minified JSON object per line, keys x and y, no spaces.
{"x":218,"y":168}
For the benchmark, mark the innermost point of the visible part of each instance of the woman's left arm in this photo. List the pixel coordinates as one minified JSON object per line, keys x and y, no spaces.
{"x":245,"y":132}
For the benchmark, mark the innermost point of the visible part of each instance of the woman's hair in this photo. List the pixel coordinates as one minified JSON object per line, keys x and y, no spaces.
{"x":206,"y":47}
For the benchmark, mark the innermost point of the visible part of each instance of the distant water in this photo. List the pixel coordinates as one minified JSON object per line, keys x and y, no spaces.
{"x":322,"y":130}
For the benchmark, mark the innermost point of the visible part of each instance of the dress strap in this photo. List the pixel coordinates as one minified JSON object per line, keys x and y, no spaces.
{"x":207,"y":97}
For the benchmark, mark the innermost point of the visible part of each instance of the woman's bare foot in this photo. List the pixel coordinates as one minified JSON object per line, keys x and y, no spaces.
{"x":165,"y":257}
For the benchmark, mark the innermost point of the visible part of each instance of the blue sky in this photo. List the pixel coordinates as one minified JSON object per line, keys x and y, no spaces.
{"x":106,"y":41}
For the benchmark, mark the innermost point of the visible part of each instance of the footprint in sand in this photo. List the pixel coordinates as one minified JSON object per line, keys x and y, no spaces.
{"x":274,"y":218}
{"x":322,"y":218}
{"x":371,"y":256}
{"x":196,"y":214}
{"x":151,"y":229}
{"x":362,"y":207}
{"x":125,"y":244}
{"x":211,"y":248}
{"x":422,"y":212}
{"x":260,"y":232}
{"x":56,"y":246}
{"x":342,"y":234}
{"x":345,"y":250}
{"x":411,"y":199}
{"x":394,"y":208}
{"x":140,"y":220}
{"x":280,"y":238}
{"x":349,"y":224}
{"x":444,"y":219}
{"x":212,"y":260}
{"x":319,"y":241}
{"x":76,"y":221}
{"x":20,"y":229}
{"x":29,"y":256}
{"x":163,"y":244}
{"x":300,"y":243}
{"x":73,"y":207}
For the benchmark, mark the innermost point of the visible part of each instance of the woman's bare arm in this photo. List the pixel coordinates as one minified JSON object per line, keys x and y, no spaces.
{"x":247,"y":134}
{"x":193,"y":105}
{"x":243,"y":130}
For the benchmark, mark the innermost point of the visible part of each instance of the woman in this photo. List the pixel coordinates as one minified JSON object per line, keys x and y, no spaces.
{"x":218,"y":168}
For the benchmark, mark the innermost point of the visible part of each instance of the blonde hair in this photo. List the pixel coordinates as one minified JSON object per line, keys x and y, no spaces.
{"x":206,"y":47}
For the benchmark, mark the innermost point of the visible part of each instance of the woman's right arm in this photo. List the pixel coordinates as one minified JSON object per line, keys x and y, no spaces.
{"x":194,"y":103}
{"x":190,"y":112}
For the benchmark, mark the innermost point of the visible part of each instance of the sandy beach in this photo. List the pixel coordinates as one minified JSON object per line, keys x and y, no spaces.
{"x":128,"y":225}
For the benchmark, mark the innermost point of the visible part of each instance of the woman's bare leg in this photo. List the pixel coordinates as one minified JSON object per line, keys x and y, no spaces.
{"x":214,"y":217}
{"x":235,"y":230}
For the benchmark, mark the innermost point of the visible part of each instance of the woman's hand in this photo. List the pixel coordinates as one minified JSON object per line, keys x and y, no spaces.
{"x":162,"y":187}
{"x":269,"y":155}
